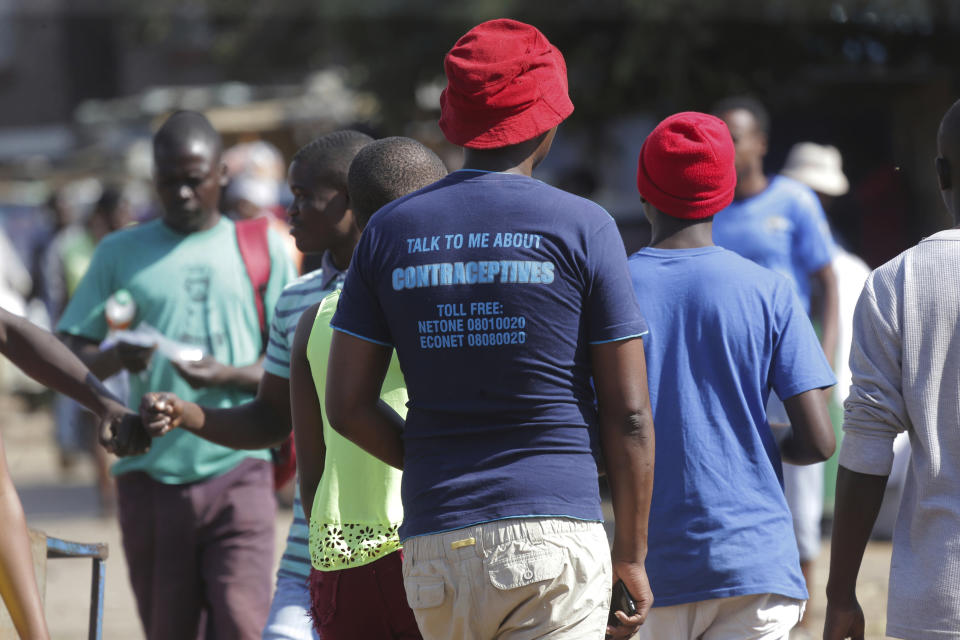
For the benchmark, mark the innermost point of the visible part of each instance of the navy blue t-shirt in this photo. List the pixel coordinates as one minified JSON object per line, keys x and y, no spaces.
{"x":491,"y":287}
{"x":723,"y":333}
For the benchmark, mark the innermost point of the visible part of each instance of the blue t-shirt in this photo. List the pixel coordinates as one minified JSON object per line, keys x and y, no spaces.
{"x":782,"y":228}
{"x":723,"y":332}
{"x":491,"y":287}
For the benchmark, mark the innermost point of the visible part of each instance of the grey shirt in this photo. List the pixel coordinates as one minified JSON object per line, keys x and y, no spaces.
{"x":905,"y":361}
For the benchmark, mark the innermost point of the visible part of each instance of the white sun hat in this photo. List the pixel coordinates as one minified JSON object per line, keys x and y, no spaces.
{"x":817,"y":166}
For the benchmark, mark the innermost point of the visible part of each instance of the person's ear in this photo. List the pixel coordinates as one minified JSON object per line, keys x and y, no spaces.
{"x":224,"y":179}
{"x":348,"y":209}
{"x":943,"y":173}
{"x":762,"y":141}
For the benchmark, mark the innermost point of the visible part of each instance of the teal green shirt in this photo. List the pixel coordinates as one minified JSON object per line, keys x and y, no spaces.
{"x":194,"y":289}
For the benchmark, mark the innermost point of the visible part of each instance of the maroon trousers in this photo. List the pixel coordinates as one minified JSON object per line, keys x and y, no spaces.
{"x":366,"y":602}
{"x":200,"y":555}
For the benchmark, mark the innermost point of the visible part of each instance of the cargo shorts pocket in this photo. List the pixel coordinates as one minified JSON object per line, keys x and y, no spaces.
{"x":525,"y":567}
{"x":424,"y":592}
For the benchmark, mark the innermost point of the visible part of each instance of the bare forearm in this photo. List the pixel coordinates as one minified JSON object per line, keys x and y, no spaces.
{"x":44,"y":358}
{"x":829,"y":313}
{"x":252,"y":425}
{"x":311,"y":456}
{"x":18,"y":586}
{"x":829,"y":333}
{"x":627,"y":441}
{"x":101,"y":363}
{"x":309,"y":481}
{"x":245,"y":378}
{"x":859,"y":496}
{"x":104,"y":363}
{"x":374,"y":428}
{"x":356,"y":370}
{"x":628,"y":448}
{"x":306,"y":413}
{"x":307,"y":430}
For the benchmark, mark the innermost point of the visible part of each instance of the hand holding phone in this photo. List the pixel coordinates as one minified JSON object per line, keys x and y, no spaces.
{"x":633,"y":603}
{"x":621,"y":601}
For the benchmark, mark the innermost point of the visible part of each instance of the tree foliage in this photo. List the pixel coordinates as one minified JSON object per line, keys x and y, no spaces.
{"x":623,"y":55}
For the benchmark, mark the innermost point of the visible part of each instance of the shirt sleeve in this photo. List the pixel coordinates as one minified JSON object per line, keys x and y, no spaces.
{"x":611,"y":309}
{"x":814,"y":246}
{"x":875,"y":411}
{"x":84,"y":314}
{"x":277,"y":358}
{"x":282,"y":273}
{"x":798,"y":363}
{"x":359,"y":313}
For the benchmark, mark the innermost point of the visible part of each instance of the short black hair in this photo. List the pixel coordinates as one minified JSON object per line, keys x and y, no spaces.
{"x":110,"y":199}
{"x":187,"y":125}
{"x":330,"y":155}
{"x":948,"y":134}
{"x":389,"y":169}
{"x":745,"y":103}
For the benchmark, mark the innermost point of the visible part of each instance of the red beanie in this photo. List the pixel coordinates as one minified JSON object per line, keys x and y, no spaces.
{"x":686,"y":166}
{"x":505,"y":84}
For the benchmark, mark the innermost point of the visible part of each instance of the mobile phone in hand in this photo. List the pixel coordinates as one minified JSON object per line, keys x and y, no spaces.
{"x":621,"y":601}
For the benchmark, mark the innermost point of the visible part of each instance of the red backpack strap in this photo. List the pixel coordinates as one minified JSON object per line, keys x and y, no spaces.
{"x":255,"y":252}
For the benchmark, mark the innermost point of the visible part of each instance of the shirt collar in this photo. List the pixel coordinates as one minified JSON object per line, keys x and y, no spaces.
{"x":331,"y":274}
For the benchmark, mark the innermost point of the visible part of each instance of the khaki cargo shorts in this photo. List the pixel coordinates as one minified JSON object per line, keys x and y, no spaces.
{"x":511,"y":579}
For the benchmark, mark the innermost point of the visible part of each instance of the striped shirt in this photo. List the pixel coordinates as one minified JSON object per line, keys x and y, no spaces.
{"x":302,"y":293}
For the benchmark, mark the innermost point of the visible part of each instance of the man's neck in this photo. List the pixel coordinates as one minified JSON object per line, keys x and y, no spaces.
{"x":752,"y":184}
{"x":681,"y":234}
{"x":519,"y":158}
{"x":501,"y":163}
{"x":951,"y":200}
{"x":341,"y":258}
{"x":210,"y":222}
{"x":207,"y":223}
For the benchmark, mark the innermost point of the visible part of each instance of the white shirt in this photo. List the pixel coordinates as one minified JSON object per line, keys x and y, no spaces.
{"x":851,"y":273}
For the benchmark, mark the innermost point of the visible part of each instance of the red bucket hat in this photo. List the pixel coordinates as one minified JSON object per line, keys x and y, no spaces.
{"x":686,"y":166}
{"x":505,"y":84}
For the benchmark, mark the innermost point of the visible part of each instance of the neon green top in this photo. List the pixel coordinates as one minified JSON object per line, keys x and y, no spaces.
{"x":356,"y":510}
{"x":76,"y":253}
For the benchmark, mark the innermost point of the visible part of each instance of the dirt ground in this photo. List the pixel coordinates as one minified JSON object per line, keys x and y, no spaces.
{"x":65,"y":505}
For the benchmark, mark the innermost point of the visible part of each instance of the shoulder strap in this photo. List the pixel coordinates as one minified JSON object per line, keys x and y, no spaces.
{"x":255,"y":252}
